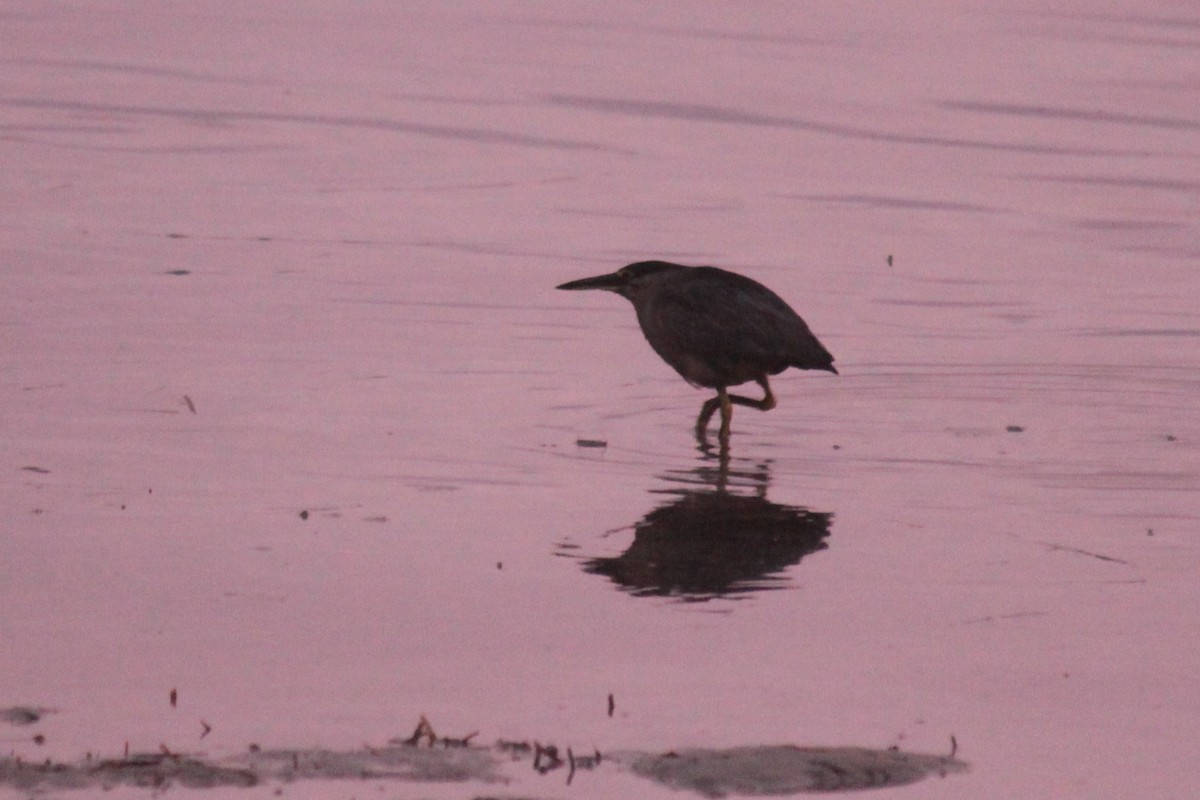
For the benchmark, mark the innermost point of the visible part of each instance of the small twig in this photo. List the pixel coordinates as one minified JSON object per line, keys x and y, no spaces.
{"x":1076,"y":550}
{"x":424,"y":731}
{"x":1081,"y":552}
{"x":465,"y":741}
{"x":551,"y":755}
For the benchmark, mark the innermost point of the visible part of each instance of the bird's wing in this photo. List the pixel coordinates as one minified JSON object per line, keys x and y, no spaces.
{"x":723,"y":329}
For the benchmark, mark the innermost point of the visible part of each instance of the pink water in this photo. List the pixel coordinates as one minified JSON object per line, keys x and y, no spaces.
{"x":372,"y":203}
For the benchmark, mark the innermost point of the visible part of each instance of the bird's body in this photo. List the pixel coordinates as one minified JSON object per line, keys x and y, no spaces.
{"x":715,"y":328}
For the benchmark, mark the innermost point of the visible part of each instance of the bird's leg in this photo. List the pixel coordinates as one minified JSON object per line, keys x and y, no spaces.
{"x":766,"y":404}
{"x":706,"y":412}
{"x":726,"y":415}
{"x":726,"y":401}
{"x":721,"y":401}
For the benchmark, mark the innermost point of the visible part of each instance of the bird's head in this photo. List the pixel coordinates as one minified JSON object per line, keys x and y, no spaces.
{"x":627,"y":281}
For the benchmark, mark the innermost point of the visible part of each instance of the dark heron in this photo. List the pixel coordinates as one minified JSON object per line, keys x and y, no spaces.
{"x":716,"y":328}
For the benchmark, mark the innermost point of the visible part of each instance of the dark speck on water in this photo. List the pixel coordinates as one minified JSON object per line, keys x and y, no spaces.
{"x":20,"y":715}
{"x":1014,"y":429}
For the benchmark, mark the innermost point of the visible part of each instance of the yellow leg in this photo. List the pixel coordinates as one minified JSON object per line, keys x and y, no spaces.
{"x":726,"y":401}
{"x":706,"y":412}
{"x":726,"y":414}
{"x":767,"y":402}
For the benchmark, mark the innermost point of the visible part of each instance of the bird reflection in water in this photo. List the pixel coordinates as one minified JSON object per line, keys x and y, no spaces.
{"x":717,"y":536}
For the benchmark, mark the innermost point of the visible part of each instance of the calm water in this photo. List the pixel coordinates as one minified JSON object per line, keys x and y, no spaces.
{"x":259,"y":261}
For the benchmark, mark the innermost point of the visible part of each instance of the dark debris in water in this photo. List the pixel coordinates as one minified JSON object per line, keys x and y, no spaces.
{"x":149,"y":770}
{"x":785,"y":769}
{"x":426,"y":758}
{"x":22,"y":715}
{"x":766,"y":770}
{"x":252,"y":768}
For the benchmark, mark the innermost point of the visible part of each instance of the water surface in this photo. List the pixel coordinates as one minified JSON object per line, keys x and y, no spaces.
{"x":294,"y":416}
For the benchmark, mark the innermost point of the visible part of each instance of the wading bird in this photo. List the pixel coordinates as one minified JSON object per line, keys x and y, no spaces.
{"x":716,"y":328}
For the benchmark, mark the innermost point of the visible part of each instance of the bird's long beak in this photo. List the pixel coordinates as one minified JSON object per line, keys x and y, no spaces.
{"x":611,"y":282}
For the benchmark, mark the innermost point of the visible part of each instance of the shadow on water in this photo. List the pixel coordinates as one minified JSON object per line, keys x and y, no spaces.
{"x":717,"y":535}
